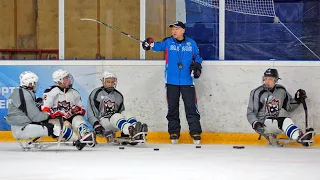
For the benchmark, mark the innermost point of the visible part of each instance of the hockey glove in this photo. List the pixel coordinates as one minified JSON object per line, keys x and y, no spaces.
{"x":98,"y":129}
{"x":53,"y":115}
{"x":146,"y":44}
{"x":77,"y":110}
{"x":196,"y":68}
{"x":258,"y":127}
{"x":300,"y":95}
{"x":66,"y":114}
{"x":39,"y":103}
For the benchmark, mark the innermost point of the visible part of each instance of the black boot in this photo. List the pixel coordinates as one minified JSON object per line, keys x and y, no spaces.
{"x":78,"y":144}
{"x":196,"y":138}
{"x":174,"y":138}
{"x":144,"y":128}
{"x":133,"y":130}
{"x":306,"y":136}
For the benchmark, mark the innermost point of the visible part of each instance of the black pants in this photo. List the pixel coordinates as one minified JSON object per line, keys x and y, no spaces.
{"x":190,"y":104}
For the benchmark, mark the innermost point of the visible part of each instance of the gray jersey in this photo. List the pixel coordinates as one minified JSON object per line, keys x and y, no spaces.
{"x":264,"y":103}
{"x":103,"y":104}
{"x":22,"y":109}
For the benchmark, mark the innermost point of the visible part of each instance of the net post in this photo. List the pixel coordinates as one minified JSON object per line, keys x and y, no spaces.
{"x":61,"y":30}
{"x":222,"y":10}
{"x":142,"y":27}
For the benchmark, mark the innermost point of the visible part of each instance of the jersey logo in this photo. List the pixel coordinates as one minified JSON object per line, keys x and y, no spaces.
{"x":273,"y":107}
{"x":63,"y":106}
{"x":108,"y":108}
{"x":183,"y":48}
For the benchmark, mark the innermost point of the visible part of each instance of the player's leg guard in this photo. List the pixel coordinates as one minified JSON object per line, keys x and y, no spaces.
{"x":68,"y":134}
{"x":273,"y":126}
{"x":291,"y":130}
{"x":118,"y":121}
{"x":106,"y":124}
{"x":29,"y":131}
{"x":129,"y":117}
{"x":80,"y":125}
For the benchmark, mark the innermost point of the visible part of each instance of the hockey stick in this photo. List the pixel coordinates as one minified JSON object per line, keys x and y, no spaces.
{"x":111,"y":27}
{"x":304,"y":104}
{"x":61,"y":131}
{"x":34,"y":140}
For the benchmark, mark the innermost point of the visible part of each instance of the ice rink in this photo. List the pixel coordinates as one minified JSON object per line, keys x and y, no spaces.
{"x":107,"y":162}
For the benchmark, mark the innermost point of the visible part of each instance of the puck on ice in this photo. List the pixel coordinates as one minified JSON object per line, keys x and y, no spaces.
{"x":198,"y":146}
{"x":121,"y":147}
{"x":238,"y":147}
{"x":156,"y":149}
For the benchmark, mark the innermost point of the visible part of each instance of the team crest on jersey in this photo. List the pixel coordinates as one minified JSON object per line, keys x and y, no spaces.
{"x":273,"y":107}
{"x":108,"y":108}
{"x":63,"y":106}
{"x":188,"y":43}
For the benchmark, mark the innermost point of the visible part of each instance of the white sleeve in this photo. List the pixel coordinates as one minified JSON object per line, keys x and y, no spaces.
{"x":48,"y":98}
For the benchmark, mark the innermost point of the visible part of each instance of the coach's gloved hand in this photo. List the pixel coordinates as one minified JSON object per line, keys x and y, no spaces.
{"x":98,"y":129}
{"x":196,"y":68}
{"x":258,"y":127}
{"x":146,"y":44}
{"x":300,"y":95}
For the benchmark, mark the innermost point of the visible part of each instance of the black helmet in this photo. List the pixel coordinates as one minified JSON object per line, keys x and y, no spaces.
{"x":272,"y":73}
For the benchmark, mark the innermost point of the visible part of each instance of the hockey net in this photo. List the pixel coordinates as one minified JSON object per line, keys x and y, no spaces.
{"x":251,"y":7}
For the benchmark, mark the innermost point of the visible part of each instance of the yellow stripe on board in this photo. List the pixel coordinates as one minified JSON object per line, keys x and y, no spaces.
{"x":207,"y":138}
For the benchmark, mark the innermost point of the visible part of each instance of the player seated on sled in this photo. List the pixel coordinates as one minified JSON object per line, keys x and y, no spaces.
{"x":106,"y":112}
{"x":24,"y":115}
{"x":264,"y":107}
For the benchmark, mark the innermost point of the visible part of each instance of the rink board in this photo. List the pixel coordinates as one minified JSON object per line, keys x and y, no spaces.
{"x":207,"y":138}
{"x":222,"y":91}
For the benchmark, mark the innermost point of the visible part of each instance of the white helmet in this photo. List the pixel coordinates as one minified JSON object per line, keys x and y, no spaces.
{"x":28,"y":77}
{"x":59,"y":74}
{"x":106,"y":75}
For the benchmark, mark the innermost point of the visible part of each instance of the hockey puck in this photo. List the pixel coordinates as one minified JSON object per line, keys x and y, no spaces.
{"x":121,"y":147}
{"x":198,"y":146}
{"x":238,"y":147}
{"x":156,"y":149}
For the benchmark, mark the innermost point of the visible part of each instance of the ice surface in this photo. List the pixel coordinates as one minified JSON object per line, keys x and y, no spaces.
{"x":108,"y":162}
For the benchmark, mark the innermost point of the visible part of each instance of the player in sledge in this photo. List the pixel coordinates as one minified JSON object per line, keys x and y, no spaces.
{"x":107,"y":114}
{"x":63,"y":98}
{"x":27,"y":121}
{"x":264,"y":107}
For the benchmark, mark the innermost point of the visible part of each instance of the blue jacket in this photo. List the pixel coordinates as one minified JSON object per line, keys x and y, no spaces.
{"x":178,"y":53}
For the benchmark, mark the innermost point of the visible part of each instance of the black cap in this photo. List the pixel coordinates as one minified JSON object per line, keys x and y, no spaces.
{"x":178,"y":24}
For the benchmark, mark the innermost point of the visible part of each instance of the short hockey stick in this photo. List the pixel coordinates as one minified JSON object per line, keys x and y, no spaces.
{"x":61,"y":131}
{"x":304,"y":104}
